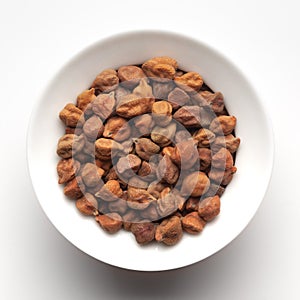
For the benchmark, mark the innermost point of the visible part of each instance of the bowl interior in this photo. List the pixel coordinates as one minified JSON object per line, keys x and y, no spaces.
{"x":238,"y":204}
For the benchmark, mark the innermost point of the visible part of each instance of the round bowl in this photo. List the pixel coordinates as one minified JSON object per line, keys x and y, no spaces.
{"x":242,"y":197}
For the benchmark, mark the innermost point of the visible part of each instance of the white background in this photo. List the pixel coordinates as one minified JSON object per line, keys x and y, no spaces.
{"x":261,"y":37}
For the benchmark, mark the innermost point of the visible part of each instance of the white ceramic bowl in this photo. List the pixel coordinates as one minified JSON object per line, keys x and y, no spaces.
{"x":239,"y":202}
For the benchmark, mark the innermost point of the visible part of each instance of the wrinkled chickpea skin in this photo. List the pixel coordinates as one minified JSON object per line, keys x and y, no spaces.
{"x":91,"y":174}
{"x":111,"y":222}
{"x":167,"y":170}
{"x":138,"y":198}
{"x":169,"y":231}
{"x":69,"y":145}
{"x":130,"y":75}
{"x":145,"y":148}
{"x":66,"y":169}
{"x":88,"y":205}
{"x":167,"y":203}
{"x":188,"y":116}
{"x":117,"y":129}
{"x":195,"y":184}
{"x":127,"y":163}
{"x":144,"y":232}
{"x":71,"y":115}
{"x":223,"y":125}
{"x":209,"y":208}
{"x":74,"y":189}
{"x":160,"y":67}
{"x":103,"y":106}
{"x":162,"y":113}
{"x":85,"y":98}
{"x":185,"y":155}
{"x":192,"y":223}
{"x":106,"y":81}
{"x":189,"y":82}
{"x":110,"y":191}
{"x":163,"y":136}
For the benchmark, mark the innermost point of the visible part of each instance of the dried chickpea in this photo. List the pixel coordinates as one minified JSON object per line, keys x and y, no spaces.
{"x":104,"y":148}
{"x":66,"y":169}
{"x":191,"y":81}
{"x":74,"y":189}
{"x":87,"y":205}
{"x":145,"y":148}
{"x":178,"y":98}
{"x":117,"y":128}
{"x":126,"y":163}
{"x":230,"y":142}
{"x":209,"y":208}
{"x":204,"y":137}
{"x":167,"y":170}
{"x":110,"y":191}
{"x":215,"y":100}
{"x":91,"y":174}
{"x":71,"y":115}
{"x":130,"y":75}
{"x":162,"y":113}
{"x":188,"y":116}
{"x":163,"y":136}
{"x":192,"y":223}
{"x":111,"y":222}
{"x":192,"y":204}
{"x":139,"y":199}
{"x":169,"y":231}
{"x":185,"y":155}
{"x":85,"y":98}
{"x":223,"y":125}
{"x":106,"y":81}
{"x":167,"y":203}
{"x":93,"y":128}
{"x":144,"y":124}
{"x":160,"y":67}
{"x":195,"y":184}
{"x":205,"y":157}
{"x":222,"y":159}
{"x":144,"y":232}
{"x":133,"y":105}
{"x":103,"y":105}
{"x":68,"y":144}
{"x":222,"y":177}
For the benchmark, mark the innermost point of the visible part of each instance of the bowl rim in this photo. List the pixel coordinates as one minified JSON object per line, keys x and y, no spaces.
{"x":123,"y":34}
